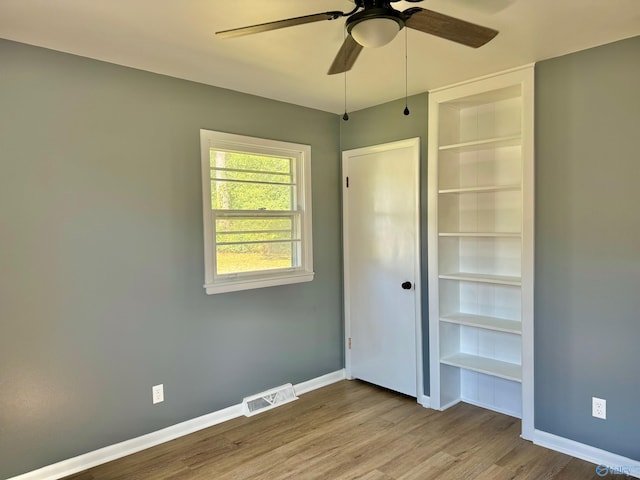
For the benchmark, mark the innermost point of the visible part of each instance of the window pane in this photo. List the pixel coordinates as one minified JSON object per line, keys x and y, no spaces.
{"x":247,"y":161}
{"x":255,"y":229}
{"x":251,"y":176}
{"x":241,"y":181}
{"x":254,"y":257}
{"x":250,"y":196}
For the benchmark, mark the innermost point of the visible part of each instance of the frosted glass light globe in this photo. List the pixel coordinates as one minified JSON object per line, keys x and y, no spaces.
{"x":375,"y":32}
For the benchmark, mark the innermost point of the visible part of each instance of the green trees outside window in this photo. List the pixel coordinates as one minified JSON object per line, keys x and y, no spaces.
{"x":256,"y":226}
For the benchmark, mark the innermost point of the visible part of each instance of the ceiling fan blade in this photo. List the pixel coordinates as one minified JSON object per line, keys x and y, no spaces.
{"x":289,"y":22}
{"x":451,"y":28}
{"x":346,"y":57}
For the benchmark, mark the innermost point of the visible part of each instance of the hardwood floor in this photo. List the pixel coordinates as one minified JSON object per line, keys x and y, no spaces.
{"x":351,"y":430}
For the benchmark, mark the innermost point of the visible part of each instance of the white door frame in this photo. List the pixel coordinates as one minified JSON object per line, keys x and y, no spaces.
{"x":414,"y":144}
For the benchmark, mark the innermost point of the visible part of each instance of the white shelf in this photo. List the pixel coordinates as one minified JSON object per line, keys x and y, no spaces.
{"x":489,"y":366}
{"x":507,"y":141}
{"x":482,"y":189}
{"x":487,"y":323}
{"x":482,"y":278}
{"x":481,"y":234}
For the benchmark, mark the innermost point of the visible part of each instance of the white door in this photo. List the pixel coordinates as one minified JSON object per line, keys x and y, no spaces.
{"x":382,"y":268}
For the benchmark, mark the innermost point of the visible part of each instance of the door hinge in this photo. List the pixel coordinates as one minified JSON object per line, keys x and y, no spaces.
{"x":349,"y":343}
{"x":347,"y":182}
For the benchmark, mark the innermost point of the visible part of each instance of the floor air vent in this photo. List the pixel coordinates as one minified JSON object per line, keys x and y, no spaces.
{"x":267,"y":400}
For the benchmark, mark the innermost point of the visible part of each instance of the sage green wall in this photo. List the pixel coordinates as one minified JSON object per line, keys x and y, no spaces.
{"x":587,"y":240}
{"x":383,"y":124}
{"x":101,"y":258}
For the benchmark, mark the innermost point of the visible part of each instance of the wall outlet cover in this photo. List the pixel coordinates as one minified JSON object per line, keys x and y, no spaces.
{"x":599,"y":408}
{"x":158,"y":393}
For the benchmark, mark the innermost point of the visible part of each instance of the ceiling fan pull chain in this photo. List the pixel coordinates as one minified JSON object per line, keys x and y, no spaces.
{"x":345,"y":117}
{"x":406,"y":74}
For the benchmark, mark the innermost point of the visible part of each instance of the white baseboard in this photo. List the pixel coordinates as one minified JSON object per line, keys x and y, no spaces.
{"x":607,"y":462}
{"x":450,"y":404}
{"x":119,"y":450}
{"x":319,"y":382}
{"x":424,"y":401}
{"x":488,"y":406}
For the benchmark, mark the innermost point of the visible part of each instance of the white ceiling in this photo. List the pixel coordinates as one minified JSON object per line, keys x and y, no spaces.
{"x":175,"y":37}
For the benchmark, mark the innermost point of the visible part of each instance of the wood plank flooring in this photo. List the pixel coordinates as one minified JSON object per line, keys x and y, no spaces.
{"x":351,"y":430}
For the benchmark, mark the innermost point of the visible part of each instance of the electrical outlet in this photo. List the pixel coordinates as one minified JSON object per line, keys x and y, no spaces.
{"x":599,"y":408}
{"x":158,"y":393}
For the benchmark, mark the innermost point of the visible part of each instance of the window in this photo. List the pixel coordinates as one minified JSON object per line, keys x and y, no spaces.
{"x":257,"y":212}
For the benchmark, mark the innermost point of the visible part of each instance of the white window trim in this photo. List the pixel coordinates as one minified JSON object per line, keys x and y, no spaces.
{"x":245,"y":281}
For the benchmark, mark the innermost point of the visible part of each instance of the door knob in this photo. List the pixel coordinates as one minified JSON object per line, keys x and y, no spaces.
{"x":407,"y":285}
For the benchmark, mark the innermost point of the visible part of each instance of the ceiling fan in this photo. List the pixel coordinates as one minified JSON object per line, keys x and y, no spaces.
{"x":373,"y":23}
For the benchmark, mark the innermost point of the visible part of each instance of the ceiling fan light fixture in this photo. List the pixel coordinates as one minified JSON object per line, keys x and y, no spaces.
{"x":375,"y":32}
{"x":375,"y":26}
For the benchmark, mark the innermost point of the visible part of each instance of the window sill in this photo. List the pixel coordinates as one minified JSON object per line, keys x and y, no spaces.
{"x":248,"y":284}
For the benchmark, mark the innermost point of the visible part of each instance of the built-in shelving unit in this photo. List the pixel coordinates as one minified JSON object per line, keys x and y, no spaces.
{"x":481,"y":244}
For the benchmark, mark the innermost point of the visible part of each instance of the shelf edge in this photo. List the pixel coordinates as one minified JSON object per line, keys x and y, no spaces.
{"x":453,"y":362}
{"x":483,"y":189}
{"x":516,"y":282}
{"x":506,"y":141}
{"x":479,"y":324}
